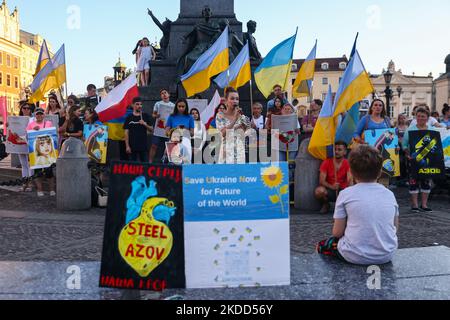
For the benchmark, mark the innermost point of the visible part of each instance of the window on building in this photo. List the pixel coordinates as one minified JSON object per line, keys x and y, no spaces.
{"x":8,"y":80}
{"x":407,"y":111}
{"x":1,"y":78}
{"x":31,"y":42}
{"x":340,"y":79}
{"x":391,"y":112}
{"x":325,"y":66}
{"x":8,"y":60}
{"x":16,"y":82}
{"x":342,"y":65}
{"x":324,"y":80}
{"x":16,"y":63}
{"x":324,"y":96}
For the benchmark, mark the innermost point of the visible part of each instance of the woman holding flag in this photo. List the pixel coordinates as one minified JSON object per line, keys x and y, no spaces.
{"x":232,"y":124}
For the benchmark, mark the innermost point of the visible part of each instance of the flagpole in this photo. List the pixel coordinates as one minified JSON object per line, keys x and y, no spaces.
{"x":251,"y":93}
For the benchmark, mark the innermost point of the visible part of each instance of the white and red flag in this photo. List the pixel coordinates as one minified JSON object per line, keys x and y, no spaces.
{"x":115,"y":104}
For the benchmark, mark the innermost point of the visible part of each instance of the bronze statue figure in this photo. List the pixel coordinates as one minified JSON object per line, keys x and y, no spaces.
{"x":198,"y":41}
{"x":165,"y":28}
{"x":255,"y":55}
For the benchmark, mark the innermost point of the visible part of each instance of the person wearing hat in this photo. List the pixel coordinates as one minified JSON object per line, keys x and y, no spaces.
{"x":38,"y":124}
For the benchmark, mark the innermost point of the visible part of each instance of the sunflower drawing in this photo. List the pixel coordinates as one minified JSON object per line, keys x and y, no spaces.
{"x":272,"y":178}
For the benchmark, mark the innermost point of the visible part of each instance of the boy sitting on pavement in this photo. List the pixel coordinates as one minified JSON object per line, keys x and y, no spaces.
{"x":335,"y":176}
{"x":366,"y":216}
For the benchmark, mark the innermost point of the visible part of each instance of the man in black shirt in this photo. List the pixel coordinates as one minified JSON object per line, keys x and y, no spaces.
{"x":136,"y":126}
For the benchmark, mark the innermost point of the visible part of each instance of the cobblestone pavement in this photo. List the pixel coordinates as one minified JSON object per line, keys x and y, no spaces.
{"x":34,"y":230}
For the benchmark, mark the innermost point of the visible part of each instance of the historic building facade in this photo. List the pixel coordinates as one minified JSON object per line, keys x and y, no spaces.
{"x":19,"y":52}
{"x":328,"y":71}
{"x":408,"y":90}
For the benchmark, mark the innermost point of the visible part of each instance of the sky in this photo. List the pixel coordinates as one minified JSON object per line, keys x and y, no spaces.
{"x":413,"y":33}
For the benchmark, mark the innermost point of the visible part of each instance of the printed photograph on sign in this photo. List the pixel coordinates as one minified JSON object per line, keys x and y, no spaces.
{"x":96,"y":142}
{"x":427,"y":154}
{"x":143,"y":245}
{"x":42,"y":148}
{"x":386,"y":141}
{"x":16,"y":138}
{"x":236,"y":225}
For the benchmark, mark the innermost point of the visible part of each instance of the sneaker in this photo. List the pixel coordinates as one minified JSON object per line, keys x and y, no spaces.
{"x":52,"y":194}
{"x":426,"y":209}
{"x":40,"y":194}
{"x":415,"y":210}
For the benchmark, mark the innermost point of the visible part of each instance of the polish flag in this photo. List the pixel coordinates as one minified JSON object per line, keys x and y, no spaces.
{"x":115,"y":104}
{"x":4,"y":113}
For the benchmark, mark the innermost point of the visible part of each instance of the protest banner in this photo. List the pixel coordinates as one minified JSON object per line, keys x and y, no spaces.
{"x":161,"y":122}
{"x":445,"y":138}
{"x":96,"y":142}
{"x":16,"y":139}
{"x":386,"y":141}
{"x":42,"y":148}
{"x":143,"y":245}
{"x":236,"y":225}
{"x":427,"y":154}
{"x":287,"y":127}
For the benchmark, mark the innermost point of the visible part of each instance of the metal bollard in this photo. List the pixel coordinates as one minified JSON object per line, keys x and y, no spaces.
{"x":73,"y":177}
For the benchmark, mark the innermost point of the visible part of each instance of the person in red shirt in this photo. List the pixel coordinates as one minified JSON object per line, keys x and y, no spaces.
{"x":337,"y":167}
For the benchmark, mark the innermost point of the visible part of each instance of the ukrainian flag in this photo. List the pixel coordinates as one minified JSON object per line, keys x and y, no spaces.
{"x":44,"y":58}
{"x":116,"y":131}
{"x":52,"y":76}
{"x":239,"y":73}
{"x":214,"y":61}
{"x":302,"y":87}
{"x":324,"y":131}
{"x":354,"y":87}
{"x":276,"y":67}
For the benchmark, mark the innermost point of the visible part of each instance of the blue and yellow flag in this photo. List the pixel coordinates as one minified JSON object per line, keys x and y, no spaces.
{"x":44,"y":58}
{"x":354,"y":87}
{"x":116,"y":131}
{"x":324,"y":131}
{"x":239,"y":73}
{"x":214,"y":61}
{"x":52,"y":76}
{"x":276,"y":67}
{"x":348,"y":126}
{"x":302,"y":85}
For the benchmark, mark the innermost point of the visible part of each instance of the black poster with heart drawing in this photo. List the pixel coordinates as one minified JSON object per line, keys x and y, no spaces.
{"x":143,"y":246}
{"x":427,"y":155}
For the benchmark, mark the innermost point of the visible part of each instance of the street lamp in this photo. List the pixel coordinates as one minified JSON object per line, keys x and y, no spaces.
{"x":388,"y":92}
{"x":400,"y":91}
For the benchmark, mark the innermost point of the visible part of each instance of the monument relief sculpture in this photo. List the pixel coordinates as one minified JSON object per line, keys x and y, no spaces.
{"x":165,"y":28}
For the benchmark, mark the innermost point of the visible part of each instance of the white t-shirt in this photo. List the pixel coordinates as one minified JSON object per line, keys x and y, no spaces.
{"x":370,"y":236}
{"x":259,"y":123}
{"x":431,"y":122}
{"x":162,"y":103}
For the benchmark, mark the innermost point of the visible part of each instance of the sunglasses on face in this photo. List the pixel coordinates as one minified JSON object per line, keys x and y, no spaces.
{"x":25,"y":108}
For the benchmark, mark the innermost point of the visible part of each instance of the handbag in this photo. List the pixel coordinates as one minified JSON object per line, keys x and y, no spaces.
{"x":102,"y":197}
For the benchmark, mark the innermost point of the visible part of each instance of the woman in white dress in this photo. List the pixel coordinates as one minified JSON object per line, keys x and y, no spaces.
{"x":233,"y":142}
{"x":145,"y":54}
{"x":199,"y":138}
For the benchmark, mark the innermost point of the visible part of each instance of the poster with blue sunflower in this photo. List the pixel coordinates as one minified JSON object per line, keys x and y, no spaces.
{"x":236,"y":225}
